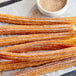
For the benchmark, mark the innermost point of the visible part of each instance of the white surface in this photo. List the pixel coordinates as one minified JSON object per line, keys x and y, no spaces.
{"x":3,"y":1}
{"x":24,"y":8}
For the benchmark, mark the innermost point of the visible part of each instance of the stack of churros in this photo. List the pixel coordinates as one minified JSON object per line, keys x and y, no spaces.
{"x":45,"y":44}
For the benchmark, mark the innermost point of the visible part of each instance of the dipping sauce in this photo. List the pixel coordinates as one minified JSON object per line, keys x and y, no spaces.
{"x":52,"y":5}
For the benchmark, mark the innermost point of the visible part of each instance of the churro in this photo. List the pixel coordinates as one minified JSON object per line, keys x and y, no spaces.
{"x":41,"y":45}
{"x":50,"y":67}
{"x":25,"y":20}
{"x":12,"y":65}
{"x":40,"y":55}
{"x":15,"y":29}
{"x":13,"y":40}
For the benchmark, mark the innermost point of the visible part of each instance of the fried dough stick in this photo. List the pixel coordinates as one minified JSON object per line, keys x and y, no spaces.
{"x":13,"y":65}
{"x":40,"y":55}
{"x":15,"y":29}
{"x":25,"y":20}
{"x":41,"y":45}
{"x":13,"y":40}
{"x":49,"y":67}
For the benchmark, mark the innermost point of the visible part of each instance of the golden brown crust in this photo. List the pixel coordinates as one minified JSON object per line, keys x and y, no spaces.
{"x":12,"y":65}
{"x":42,"y":21}
{"x":40,"y":55}
{"x":15,"y":29}
{"x":22,"y":60}
{"x":21,"y":17}
{"x":50,"y":67}
{"x":41,"y":45}
{"x":12,"y":40}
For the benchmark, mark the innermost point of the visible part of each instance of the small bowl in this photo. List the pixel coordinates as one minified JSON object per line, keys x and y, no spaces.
{"x":52,"y":14}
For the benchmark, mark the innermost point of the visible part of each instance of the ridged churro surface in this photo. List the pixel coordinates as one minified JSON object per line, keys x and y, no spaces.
{"x":40,"y":55}
{"x":13,"y":40}
{"x":41,"y":45}
{"x":25,"y":20}
{"x":15,"y":29}
{"x":50,"y":67}
{"x":47,"y":43}
{"x":13,"y":65}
